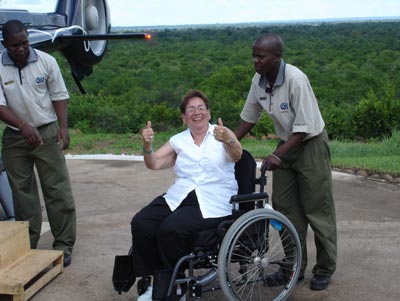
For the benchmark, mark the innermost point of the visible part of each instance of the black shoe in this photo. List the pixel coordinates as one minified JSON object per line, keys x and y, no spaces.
{"x":143,"y":284}
{"x":319,"y":282}
{"x":67,"y":260}
{"x":278,"y":278}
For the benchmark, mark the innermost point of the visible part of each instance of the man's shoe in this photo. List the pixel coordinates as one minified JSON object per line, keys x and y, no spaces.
{"x":147,"y":296}
{"x":67,"y":260}
{"x":319,"y":282}
{"x":278,"y":279}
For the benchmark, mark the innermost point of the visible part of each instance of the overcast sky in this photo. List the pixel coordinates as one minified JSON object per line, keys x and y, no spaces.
{"x":180,"y":12}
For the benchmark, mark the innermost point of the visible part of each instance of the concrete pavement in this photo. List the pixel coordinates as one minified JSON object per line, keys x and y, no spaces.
{"x":109,"y":192}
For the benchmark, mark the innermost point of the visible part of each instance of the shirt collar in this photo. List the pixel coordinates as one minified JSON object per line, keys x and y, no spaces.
{"x":6,"y":60}
{"x":210,"y":130}
{"x":280,"y":78}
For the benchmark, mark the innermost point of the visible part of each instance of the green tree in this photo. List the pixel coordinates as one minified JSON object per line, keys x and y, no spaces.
{"x":140,"y":80}
{"x":377,"y":117}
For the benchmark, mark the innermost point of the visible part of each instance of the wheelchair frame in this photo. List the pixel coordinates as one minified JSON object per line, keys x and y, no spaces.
{"x":258,"y":255}
{"x":273,"y":274}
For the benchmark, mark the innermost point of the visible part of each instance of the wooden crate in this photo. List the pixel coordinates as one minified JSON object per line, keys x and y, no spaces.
{"x":14,"y":241}
{"x":23,"y":272}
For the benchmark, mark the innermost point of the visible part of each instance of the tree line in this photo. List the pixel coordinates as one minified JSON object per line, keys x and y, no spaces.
{"x":354,"y":69}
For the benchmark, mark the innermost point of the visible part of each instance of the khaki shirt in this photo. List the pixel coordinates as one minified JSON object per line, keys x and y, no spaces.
{"x":291,"y":103}
{"x":28,"y":92}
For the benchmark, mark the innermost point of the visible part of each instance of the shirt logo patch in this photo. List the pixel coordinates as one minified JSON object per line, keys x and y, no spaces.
{"x":263,"y":98}
{"x":284,"y":106}
{"x":9,"y":82}
{"x":39,"y":80}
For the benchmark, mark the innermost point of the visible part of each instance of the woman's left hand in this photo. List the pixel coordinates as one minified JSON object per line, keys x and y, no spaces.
{"x":221,"y":133}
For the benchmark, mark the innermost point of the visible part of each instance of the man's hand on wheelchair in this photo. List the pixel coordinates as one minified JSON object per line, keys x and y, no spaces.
{"x":270,"y":163}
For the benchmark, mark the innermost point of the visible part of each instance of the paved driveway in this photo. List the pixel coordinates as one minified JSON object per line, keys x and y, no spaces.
{"x":109,"y":192}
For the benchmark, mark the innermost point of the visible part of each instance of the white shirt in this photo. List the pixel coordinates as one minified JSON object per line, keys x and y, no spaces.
{"x":29,"y":91}
{"x":207,"y":169}
{"x":291,"y":104}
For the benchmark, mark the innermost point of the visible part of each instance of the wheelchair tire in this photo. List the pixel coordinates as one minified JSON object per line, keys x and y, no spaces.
{"x":260,"y":257}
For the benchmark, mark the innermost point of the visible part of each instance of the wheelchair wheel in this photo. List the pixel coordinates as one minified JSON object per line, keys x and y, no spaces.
{"x":260,"y":257}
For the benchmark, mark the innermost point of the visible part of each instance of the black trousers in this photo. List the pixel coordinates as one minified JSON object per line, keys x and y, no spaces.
{"x":161,"y":237}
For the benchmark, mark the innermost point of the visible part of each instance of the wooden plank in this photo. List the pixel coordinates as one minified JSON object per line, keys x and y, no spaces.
{"x":15,"y":276}
{"x":14,"y":241}
{"x":9,"y":228}
{"x":37,"y":285}
{"x":18,"y":298}
{"x":42,"y":281}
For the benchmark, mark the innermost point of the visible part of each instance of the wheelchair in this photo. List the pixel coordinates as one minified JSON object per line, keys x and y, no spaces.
{"x":254,"y":256}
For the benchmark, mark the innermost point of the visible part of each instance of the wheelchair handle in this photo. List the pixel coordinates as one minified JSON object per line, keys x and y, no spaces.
{"x":262,"y":180}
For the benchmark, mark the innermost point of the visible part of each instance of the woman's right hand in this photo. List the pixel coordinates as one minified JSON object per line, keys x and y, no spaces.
{"x":148,"y":134}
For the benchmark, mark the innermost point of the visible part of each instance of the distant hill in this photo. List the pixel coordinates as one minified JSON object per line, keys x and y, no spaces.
{"x":283,"y":22}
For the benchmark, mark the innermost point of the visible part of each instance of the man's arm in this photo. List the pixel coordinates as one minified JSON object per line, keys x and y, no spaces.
{"x":273,"y":161}
{"x":243,"y":129}
{"x":7,"y":116}
{"x":294,"y":140}
{"x":29,"y":132}
{"x":61,"y":109}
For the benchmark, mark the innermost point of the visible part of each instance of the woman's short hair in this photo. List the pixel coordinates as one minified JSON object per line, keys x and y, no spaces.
{"x":189,"y":95}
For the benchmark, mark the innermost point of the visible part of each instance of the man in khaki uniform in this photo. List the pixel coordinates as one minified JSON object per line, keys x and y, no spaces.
{"x":33,"y":104}
{"x":302,"y":179}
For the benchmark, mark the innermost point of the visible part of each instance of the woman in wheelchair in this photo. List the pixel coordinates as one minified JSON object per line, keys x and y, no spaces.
{"x":203,"y":157}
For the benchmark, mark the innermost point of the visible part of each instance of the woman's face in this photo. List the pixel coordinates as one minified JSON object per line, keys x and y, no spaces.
{"x":196,"y":114}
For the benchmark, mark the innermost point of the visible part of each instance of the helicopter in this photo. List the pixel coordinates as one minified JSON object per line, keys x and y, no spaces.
{"x":79,"y":29}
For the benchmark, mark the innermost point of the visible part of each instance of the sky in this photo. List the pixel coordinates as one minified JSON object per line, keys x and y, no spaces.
{"x":183,"y":12}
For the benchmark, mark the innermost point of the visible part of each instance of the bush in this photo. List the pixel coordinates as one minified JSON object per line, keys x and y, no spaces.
{"x":377,"y":117}
{"x":337,"y":121}
{"x":263,"y":127}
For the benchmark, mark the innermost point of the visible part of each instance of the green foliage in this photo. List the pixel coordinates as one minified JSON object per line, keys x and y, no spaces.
{"x":354,"y":69}
{"x":264,"y":127}
{"x":337,"y":121}
{"x":227,"y":89}
{"x":164,"y":118}
{"x":375,"y":116}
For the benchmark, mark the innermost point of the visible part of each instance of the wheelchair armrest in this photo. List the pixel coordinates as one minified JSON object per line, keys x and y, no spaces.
{"x":248,"y":197}
{"x":241,"y":203}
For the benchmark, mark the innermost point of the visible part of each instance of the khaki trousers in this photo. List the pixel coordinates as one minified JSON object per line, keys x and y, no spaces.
{"x":302,"y":191}
{"x":19,"y":160}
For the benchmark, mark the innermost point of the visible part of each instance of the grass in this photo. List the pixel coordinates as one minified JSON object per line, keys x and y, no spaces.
{"x":373,"y":157}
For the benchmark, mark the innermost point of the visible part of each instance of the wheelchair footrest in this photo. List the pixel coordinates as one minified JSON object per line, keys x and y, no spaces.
{"x":162,"y":281}
{"x":195,"y":290}
{"x":123,"y":275}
